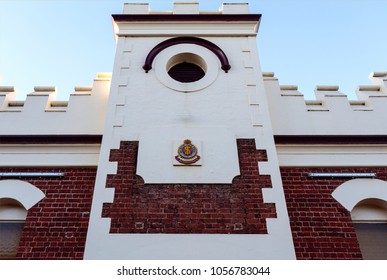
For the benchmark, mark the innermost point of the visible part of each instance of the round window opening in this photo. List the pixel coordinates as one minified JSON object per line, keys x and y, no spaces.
{"x":186,"y":67}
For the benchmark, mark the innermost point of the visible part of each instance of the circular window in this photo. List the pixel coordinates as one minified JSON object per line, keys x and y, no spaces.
{"x":186,"y":72}
{"x":186,"y":67}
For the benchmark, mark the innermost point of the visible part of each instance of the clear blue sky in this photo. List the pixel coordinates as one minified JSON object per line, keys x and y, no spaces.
{"x":305,"y":42}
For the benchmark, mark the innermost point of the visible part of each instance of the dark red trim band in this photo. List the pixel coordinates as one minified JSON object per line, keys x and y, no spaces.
{"x":330,"y":139}
{"x":50,"y":139}
{"x":187,"y":17}
{"x":186,"y":40}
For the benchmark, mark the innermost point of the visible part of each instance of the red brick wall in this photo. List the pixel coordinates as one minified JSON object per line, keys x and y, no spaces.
{"x":321,"y":227}
{"x":56,"y":227}
{"x":188,"y":208}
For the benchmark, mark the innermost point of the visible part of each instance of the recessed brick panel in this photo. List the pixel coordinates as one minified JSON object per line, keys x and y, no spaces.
{"x":321,"y":227}
{"x":56,"y":227}
{"x":189,"y":208}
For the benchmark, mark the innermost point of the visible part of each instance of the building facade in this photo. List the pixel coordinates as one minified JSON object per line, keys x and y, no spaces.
{"x":189,"y":151}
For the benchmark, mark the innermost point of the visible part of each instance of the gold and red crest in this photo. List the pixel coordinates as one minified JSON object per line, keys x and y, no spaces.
{"x":187,"y":153}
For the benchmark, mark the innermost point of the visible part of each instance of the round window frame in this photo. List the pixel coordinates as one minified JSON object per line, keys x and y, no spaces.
{"x":189,"y":58}
{"x":163,"y":61}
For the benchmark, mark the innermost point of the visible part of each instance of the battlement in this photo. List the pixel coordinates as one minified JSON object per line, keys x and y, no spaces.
{"x":186,"y":8}
{"x":231,"y":19}
{"x":42,"y":113}
{"x":331,"y":113}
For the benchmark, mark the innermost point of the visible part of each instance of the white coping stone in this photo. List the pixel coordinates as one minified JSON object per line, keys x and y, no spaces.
{"x":288,"y":87}
{"x":83,"y":88}
{"x":186,"y":8}
{"x":6,"y":89}
{"x":235,"y":8}
{"x":135,"y":8}
{"x":378,"y":74}
{"x":44,"y":89}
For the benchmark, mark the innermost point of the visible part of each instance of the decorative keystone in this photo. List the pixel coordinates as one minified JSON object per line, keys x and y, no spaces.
{"x":136,"y":8}
{"x":186,"y":8}
{"x":235,"y":8}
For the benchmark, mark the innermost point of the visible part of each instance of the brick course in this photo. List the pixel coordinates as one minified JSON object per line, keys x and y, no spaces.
{"x":321,"y":227}
{"x":189,"y":208}
{"x":56,"y":227}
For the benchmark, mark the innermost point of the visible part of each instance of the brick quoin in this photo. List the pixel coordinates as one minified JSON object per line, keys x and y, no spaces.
{"x":56,"y":226}
{"x":189,"y":208}
{"x":321,"y":227}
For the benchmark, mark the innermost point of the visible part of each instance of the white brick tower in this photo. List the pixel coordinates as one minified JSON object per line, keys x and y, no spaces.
{"x":188,"y":167}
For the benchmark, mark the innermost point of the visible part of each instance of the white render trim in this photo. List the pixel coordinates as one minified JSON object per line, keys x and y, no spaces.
{"x":12,"y":213}
{"x":25,"y":193}
{"x":185,"y":29}
{"x":189,"y":247}
{"x":328,"y":155}
{"x":49,"y":155}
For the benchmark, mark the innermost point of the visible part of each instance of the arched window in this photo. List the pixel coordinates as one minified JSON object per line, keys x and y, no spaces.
{"x":12,"y":219}
{"x":366,"y":199}
{"x":370,"y":221}
{"x":16,"y":197}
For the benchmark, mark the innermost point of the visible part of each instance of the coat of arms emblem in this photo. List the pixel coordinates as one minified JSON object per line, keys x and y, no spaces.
{"x":187,"y":153}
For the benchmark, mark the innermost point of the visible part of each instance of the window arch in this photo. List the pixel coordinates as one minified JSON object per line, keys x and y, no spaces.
{"x":25,"y":193}
{"x":187,"y":40}
{"x":353,"y":191}
{"x":366,"y":199}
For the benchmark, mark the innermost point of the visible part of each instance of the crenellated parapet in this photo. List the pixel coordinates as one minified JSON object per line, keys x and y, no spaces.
{"x":42,"y":114}
{"x":331,"y":113}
